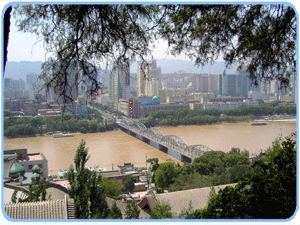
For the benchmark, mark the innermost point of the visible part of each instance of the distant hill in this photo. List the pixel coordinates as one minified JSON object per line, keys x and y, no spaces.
{"x":173,"y":65}
{"x":19,"y":70}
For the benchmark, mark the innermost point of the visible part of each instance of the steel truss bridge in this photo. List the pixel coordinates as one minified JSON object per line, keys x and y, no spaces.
{"x":168,"y":142}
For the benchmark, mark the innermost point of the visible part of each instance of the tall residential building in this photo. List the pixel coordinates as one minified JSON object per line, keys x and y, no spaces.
{"x":245,"y":84}
{"x":148,"y":78}
{"x":213,"y":83}
{"x":206,"y":83}
{"x":68,"y":92}
{"x":7,"y":84}
{"x":32,"y":84}
{"x":201,"y":82}
{"x":229,"y":85}
{"x":31,"y":78}
{"x":238,"y":84}
{"x":119,"y":84}
{"x":14,"y":88}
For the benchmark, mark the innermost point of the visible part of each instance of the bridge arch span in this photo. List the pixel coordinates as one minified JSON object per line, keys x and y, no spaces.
{"x":139,"y":126}
{"x":126,"y":122}
{"x":196,"y":151}
{"x":154,"y":133}
{"x":175,"y":141}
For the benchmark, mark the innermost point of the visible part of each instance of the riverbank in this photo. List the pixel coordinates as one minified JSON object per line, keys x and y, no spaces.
{"x":48,"y":134}
{"x":284,"y":120}
{"x":228,"y":122}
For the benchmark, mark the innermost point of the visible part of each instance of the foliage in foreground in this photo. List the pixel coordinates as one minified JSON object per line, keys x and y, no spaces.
{"x":38,"y":192}
{"x":86,"y":188}
{"x":270,"y":193}
{"x":162,"y":210}
{"x":113,"y":188}
{"x":115,"y":212}
{"x":211,"y":169}
{"x":132,"y":211}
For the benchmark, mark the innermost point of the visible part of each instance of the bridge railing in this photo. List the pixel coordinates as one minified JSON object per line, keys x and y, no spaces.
{"x":173,"y":142}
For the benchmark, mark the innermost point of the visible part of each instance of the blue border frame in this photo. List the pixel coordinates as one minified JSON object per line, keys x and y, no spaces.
{"x":151,"y":220}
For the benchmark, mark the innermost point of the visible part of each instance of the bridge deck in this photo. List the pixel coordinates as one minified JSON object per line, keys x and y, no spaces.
{"x":172,"y":142}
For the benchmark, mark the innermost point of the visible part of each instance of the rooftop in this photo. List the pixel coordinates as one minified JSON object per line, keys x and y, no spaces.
{"x":181,"y":200}
{"x":53,"y":209}
{"x":35,"y":156}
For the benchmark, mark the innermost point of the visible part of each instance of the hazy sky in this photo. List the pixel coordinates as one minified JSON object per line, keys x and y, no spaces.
{"x":25,"y":47}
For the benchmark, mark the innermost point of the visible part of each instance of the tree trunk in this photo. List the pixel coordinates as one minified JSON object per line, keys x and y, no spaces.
{"x":6,"y":34}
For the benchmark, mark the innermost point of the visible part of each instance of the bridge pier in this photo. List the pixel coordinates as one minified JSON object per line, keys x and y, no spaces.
{"x":146,"y":140}
{"x":185,"y":159}
{"x":154,"y":144}
{"x":174,"y":154}
{"x":132,"y":133}
{"x":163,"y":148}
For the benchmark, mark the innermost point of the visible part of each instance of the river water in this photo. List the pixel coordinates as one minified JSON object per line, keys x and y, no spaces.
{"x":110,"y":149}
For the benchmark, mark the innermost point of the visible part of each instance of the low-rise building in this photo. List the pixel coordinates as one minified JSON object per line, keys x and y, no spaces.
{"x":123,"y":107}
{"x":31,"y":162}
{"x":122,"y":174}
{"x":51,"y":210}
{"x":75,"y":108}
{"x":255,"y":95}
{"x":14,"y":104}
{"x":145,"y":110}
{"x":179,"y":200}
{"x":228,"y":105}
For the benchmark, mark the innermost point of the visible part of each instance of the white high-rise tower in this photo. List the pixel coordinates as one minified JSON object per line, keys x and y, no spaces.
{"x":148,"y":78}
{"x":119,"y":84}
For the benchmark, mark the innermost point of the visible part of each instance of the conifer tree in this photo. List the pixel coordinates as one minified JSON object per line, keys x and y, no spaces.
{"x":86,"y":188}
{"x":129,"y":183}
{"x":14,"y":196}
{"x":115,"y":212}
{"x":162,"y":210}
{"x":132,"y":211}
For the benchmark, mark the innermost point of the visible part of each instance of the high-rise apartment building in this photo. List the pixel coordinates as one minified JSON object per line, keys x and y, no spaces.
{"x":213,"y":83}
{"x":148,"y":78}
{"x":14,"y":88}
{"x":238,"y":84}
{"x":201,"y":82}
{"x":206,"y":83}
{"x":229,"y":85}
{"x":119,"y":84}
{"x":68,"y":92}
{"x":31,"y":78}
{"x":32,"y":85}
